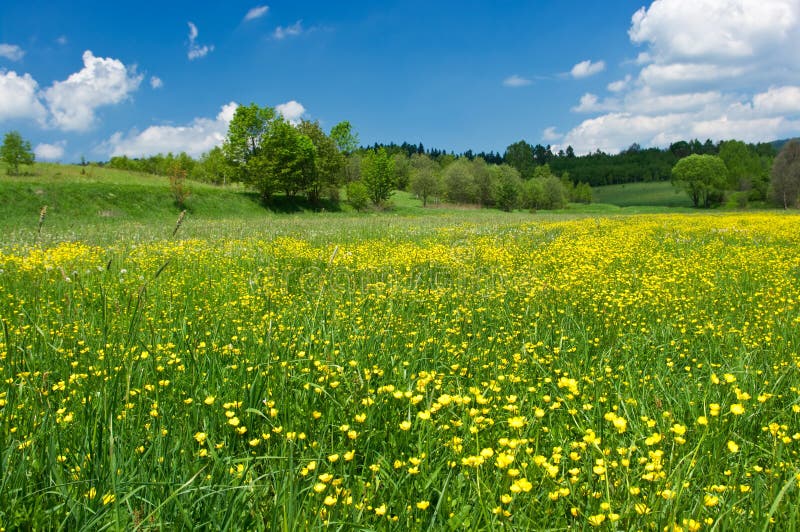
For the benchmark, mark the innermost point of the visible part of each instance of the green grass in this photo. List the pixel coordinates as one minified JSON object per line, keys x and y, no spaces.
{"x":654,"y":194}
{"x":404,"y":370}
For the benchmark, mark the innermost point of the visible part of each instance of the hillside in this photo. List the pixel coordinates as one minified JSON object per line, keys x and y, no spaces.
{"x":652,"y":194}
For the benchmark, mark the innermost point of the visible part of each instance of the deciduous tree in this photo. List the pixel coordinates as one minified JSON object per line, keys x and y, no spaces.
{"x":785,"y":184}
{"x":426,"y":178}
{"x":15,"y":151}
{"x":703,"y":177}
{"x":377,"y":173}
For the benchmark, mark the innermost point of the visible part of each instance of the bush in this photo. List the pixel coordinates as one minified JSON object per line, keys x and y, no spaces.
{"x":357,"y":195}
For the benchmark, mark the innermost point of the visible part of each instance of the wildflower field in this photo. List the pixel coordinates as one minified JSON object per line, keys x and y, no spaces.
{"x":624,"y":373}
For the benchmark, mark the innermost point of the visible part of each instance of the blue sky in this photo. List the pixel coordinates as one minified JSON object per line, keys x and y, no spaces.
{"x":104,"y":78}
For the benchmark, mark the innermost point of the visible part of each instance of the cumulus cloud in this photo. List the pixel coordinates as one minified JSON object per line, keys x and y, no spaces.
{"x":584,"y":69}
{"x":516,"y":81}
{"x":620,"y":85}
{"x":713,"y":30}
{"x":19,"y":98}
{"x":292,"y":111}
{"x":256,"y":12}
{"x":714,"y":69}
{"x":196,"y":51}
{"x":50,"y":152}
{"x":778,"y":101}
{"x":11,"y":52}
{"x":155,"y":82}
{"x":551,"y":135}
{"x":101,"y":81}
{"x":62,"y":40}
{"x":590,"y":103}
{"x":195,"y":138}
{"x":281,"y":32}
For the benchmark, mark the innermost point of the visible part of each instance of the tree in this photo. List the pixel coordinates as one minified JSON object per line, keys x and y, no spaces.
{"x":402,"y":170}
{"x":377,"y":171}
{"x":459,"y":182}
{"x":327,"y":171}
{"x":520,"y":155}
{"x":213,"y":167}
{"x":344,"y":137}
{"x":703,"y":177}
{"x":785,"y":184}
{"x":242,"y":147}
{"x":426,"y":178}
{"x":745,"y":170}
{"x":484,"y":180}
{"x":16,"y":151}
{"x":287,"y":159}
{"x":507,"y":186}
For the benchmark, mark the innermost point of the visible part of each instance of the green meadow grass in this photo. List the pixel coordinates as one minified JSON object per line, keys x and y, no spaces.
{"x":621,"y":367}
{"x":654,"y":194}
{"x":460,"y":370}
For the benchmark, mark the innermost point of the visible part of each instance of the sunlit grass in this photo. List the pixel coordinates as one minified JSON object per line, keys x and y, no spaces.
{"x":375,"y":372}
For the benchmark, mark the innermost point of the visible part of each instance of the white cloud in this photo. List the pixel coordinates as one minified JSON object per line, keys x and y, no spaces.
{"x":50,"y":152}
{"x":281,"y":32}
{"x":584,"y":69}
{"x":195,"y":50}
{"x":101,"y":81}
{"x":256,"y":12}
{"x":11,"y":52}
{"x":19,"y":98}
{"x":702,"y":30}
{"x":551,"y":135}
{"x":516,"y":81}
{"x":714,"y":69}
{"x":590,"y":103}
{"x":62,"y":40}
{"x":646,"y":101}
{"x":292,"y":111}
{"x":155,"y":82}
{"x":195,"y":138}
{"x":620,"y":85}
{"x":778,"y":101}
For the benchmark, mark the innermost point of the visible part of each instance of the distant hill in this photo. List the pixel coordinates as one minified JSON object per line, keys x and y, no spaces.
{"x":778,"y":144}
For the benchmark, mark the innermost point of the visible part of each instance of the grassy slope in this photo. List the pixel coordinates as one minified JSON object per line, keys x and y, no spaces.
{"x":102,"y":202}
{"x":659,"y":193}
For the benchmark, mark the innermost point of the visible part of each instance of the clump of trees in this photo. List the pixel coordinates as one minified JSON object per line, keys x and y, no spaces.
{"x":15,"y":151}
{"x":266,"y":152}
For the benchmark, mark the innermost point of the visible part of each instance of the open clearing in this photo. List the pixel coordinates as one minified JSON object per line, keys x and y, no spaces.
{"x":457,"y":371}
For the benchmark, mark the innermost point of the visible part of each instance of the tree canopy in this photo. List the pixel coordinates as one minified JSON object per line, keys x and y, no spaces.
{"x":15,"y":151}
{"x":703,"y":177}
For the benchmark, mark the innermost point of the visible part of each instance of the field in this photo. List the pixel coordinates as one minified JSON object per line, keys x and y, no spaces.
{"x":653,"y":194}
{"x":462,"y":371}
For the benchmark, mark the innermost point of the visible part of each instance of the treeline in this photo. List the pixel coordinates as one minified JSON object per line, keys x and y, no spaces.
{"x":265,"y":152}
{"x":632,"y":165}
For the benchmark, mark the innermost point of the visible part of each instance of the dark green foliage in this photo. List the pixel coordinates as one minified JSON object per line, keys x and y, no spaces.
{"x":520,"y":155}
{"x":329,"y":162}
{"x":747,"y":171}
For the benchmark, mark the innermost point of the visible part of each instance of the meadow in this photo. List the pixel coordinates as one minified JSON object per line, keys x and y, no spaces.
{"x":462,"y":371}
